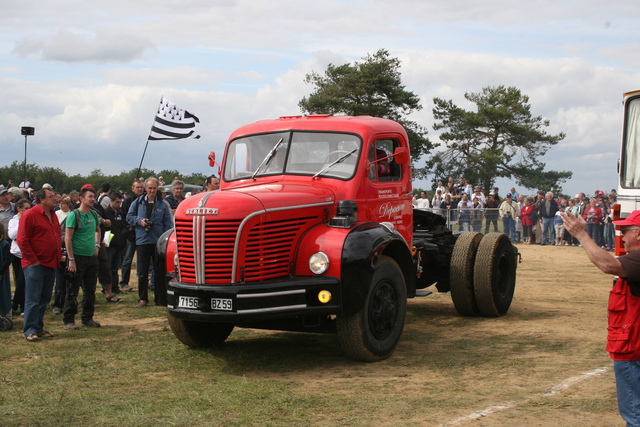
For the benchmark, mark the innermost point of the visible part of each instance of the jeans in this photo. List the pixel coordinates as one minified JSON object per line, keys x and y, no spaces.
{"x":104,"y":271}
{"x":547,"y":225}
{"x":509,"y":227}
{"x":86,"y":277}
{"x":115,"y":256}
{"x":145,"y":258}
{"x":126,"y":263}
{"x":628,"y":390}
{"x":60,"y":292}
{"x":38,"y":289}
{"x":609,"y":236}
{"x":491,"y":219}
{"x":18,"y":277}
{"x":464,"y":224}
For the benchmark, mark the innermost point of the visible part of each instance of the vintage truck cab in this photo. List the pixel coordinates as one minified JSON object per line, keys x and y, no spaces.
{"x":311,"y":230}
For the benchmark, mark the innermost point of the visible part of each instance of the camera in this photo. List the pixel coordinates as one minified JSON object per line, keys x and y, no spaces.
{"x":147,"y":227}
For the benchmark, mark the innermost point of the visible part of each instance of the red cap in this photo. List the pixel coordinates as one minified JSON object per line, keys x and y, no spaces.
{"x":633,"y":219}
{"x":86,"y":186}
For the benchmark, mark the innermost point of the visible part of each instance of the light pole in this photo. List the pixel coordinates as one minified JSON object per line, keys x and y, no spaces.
{"x":26,"y":131}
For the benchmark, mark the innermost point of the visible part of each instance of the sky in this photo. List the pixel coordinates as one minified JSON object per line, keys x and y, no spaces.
{"x":89,"y":75}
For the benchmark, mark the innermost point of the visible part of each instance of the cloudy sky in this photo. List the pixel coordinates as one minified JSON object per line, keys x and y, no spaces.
{"x":88,"y":75}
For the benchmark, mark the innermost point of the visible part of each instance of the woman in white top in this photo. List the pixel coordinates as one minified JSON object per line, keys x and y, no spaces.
{"x":20,"y":207}
{"x":65,"y":208}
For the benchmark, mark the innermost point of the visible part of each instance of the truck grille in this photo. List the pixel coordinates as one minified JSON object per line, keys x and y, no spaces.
{"x":206,"y":249}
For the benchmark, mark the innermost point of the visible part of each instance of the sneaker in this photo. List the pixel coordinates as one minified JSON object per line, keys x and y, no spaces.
{"x":91,"y":324}
{"x":45,"y":334}
{"x":56,"y":311}
{"x":71,"y":326}
{"x":32,"y":337}
{"x":126,"y":288}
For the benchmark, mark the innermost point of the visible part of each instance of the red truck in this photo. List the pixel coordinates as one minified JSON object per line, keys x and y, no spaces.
{"x":313,"y":230}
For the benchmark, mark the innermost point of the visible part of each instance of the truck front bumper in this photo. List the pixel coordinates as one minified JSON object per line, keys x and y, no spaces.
{"x":292,"y":297}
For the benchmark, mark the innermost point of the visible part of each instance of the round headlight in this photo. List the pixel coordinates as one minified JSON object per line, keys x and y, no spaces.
{"x":319,"y":263}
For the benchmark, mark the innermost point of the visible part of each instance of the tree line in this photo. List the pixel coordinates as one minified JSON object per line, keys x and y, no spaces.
{"x":64,"y":183}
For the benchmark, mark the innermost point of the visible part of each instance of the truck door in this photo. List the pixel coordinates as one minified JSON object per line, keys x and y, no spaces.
{"x":388,"y":186}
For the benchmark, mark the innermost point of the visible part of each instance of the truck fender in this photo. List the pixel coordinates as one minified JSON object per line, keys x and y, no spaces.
{"x":160,"y":265}
{"x":362,"y":248}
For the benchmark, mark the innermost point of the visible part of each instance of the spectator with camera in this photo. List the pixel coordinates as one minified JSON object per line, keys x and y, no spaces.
{"x":150,"y":217}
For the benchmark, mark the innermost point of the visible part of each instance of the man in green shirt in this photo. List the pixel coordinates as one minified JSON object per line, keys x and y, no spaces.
{"x":82,"y":240}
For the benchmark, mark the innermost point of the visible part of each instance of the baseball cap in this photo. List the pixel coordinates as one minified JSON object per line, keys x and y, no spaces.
{"x":15,"y":191}
{"x":508,"y":195}
{"x":633,"y":219}
{"x":3,"y":189}
{"x":439,"y":191}
{"x":47,"y":187}
{"x":86,"y":186}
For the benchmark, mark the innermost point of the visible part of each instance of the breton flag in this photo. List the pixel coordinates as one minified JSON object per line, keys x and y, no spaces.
{"x":173,"y":122}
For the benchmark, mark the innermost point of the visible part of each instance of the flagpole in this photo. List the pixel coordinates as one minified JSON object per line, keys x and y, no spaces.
{"x":142,"y":159}
{"x":147,"y":144}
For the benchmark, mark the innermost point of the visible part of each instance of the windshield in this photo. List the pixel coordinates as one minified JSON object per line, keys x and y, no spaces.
{"x":630,"y":170}
{"x":333,"y":155}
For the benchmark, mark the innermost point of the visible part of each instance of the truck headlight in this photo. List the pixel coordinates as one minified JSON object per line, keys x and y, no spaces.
{"x":319,"y":263}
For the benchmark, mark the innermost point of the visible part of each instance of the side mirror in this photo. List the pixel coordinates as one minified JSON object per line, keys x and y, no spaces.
{"x":401,"y":155}
{"x":212,"y":158}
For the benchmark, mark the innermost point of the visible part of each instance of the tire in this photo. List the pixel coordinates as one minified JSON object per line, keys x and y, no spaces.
{"x":373,"y":333}
{"x":494,"y":277}
{"x":200,"y":334}
{"x":461,"y":270}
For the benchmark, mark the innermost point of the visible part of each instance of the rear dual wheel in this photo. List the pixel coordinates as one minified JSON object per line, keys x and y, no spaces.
{"x":482,"y":274}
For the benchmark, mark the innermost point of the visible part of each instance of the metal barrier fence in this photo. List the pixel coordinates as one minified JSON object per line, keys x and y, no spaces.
{"x":481,"y":220}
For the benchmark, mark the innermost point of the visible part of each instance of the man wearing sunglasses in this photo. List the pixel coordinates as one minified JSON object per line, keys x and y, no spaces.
{"x":623,"y":340}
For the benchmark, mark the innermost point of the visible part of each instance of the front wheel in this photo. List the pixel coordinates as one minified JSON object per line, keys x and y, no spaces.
{"x":373,"y":333}
{"x":199,"y":334}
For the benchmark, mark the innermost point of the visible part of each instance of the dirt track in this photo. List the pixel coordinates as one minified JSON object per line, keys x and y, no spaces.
{"x":543,"y":364}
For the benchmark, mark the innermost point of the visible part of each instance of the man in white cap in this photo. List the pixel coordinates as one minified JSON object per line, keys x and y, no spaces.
{"x":623,"y":340}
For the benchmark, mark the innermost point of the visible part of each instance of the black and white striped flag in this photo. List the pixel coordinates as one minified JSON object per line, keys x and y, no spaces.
{"x":173,"y":122}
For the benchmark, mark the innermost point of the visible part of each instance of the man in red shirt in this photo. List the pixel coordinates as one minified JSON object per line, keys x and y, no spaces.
{"x":623,"y":340}
{"x":39,"y":241}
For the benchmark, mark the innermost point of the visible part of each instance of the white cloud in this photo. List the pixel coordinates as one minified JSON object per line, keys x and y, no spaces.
{"x":106,"y":46}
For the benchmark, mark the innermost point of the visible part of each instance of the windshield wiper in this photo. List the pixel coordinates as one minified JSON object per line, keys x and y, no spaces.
{"x":335,"y":162}
{"x":267,"y":158}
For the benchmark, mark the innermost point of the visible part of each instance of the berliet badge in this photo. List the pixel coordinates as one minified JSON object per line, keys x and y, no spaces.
{"x":202,"y":211}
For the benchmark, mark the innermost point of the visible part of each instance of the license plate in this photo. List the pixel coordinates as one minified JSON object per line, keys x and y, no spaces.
{"x":221,"y":304}
{"x":188,"y":302}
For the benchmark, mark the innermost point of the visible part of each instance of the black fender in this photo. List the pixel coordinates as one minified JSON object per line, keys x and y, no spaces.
{"x":362,"y":247}
{"x":160,"y":265}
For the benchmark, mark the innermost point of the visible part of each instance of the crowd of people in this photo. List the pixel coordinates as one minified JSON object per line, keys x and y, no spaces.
{"x":57,"y":244}
{"x":533,"y":219}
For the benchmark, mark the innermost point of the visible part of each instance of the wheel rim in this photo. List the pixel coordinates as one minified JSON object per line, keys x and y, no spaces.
{"x":383,"y":310}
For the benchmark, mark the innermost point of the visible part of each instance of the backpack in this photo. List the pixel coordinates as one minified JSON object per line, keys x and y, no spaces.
{"x":63,"y":225}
